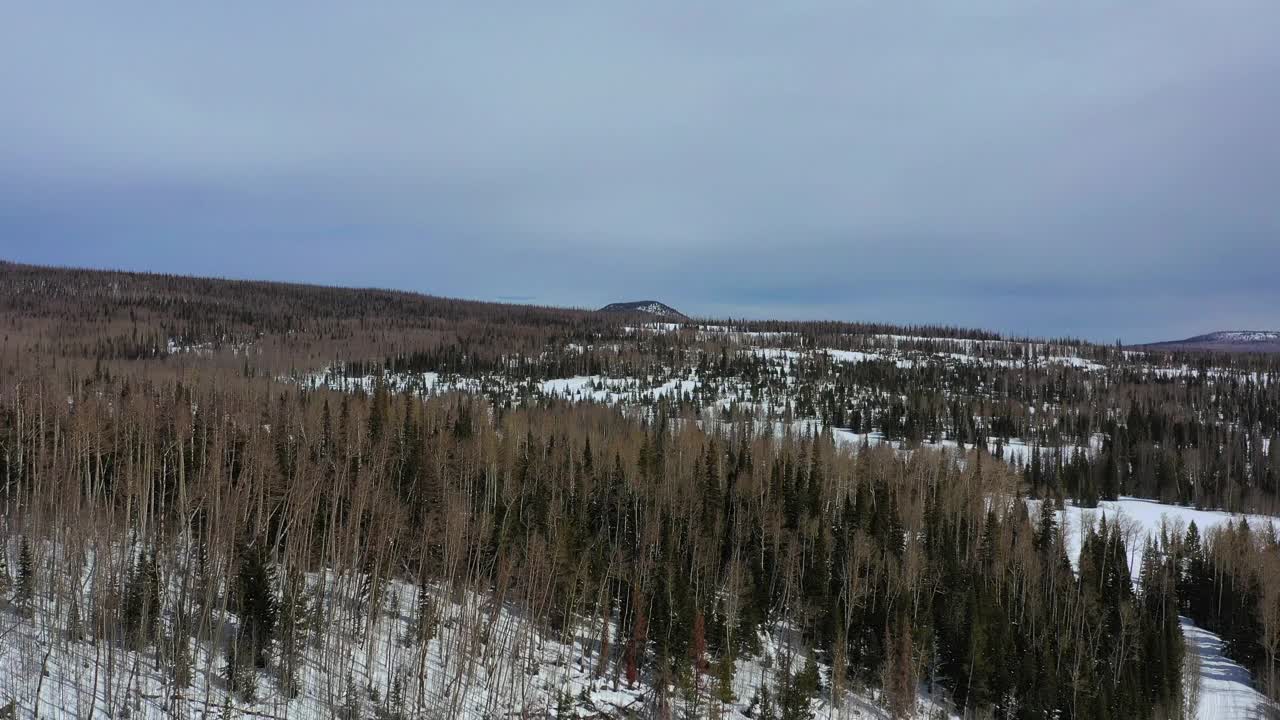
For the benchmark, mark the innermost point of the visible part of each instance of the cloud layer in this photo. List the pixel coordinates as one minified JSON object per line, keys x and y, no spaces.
{"x":1099,"y":169}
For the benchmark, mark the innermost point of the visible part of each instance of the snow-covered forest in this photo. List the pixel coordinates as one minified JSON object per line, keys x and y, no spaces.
{"x":258,"y":500}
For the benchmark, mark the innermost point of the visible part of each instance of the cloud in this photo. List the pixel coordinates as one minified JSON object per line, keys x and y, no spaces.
{"x":1085,"y":168}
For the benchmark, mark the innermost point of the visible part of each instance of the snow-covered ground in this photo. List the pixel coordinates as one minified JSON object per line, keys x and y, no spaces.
{"x":1226,"y":690}
{"x":601,"y":389}
{"x":1140,"y":519}
{"x":483,"y":659}
{"x":777,"y":388}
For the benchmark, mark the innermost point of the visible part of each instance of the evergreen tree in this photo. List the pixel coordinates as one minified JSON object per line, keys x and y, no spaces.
{"x":1047,"y":528}
{"x":1197,"y":584}
{"x":899,"y":683}
{"x":424,"y":615}
{"x":796,"y":690}
{"x":240,"y":676}
{"x":292,"y":630}
{"x":350,"y":709}
{"x":256,"y":602}
{"x":762,"y":706}
{"x":25,"y":589}
{"x":180,"y":654}
{"x":725,"y":671}
{"x":6,"y":581}
{"x":202,"y":583}
{"x":142,"y":599}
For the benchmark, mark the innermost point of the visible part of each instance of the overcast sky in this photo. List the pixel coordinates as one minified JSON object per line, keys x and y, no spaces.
{"x":1096,"y":169}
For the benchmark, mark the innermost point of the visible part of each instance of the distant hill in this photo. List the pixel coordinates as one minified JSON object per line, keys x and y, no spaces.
{"x":1226,"y":341}
{"x":648,"y":307}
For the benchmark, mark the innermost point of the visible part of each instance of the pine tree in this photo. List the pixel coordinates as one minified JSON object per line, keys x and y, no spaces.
{"x":899,"y":683}
{"x":292,"y":630}
{"x":151,"y":595}
{"x":6,"y":581}
{"x":25,"y":589}
{"x":75,"y":625}
{"x":393,"y":708}
{"x":725,"y":671}
{"x":424,"y":616}
{"x":797,"y":689}
{"x":1197,"y":583}
{"x":240,"y":679}
{"x":371,"y":589}
{"x":203,"y":581}
{"x":256,"y":602}
{"x":762,"y":706}
{"x":142,"y":599}
{"x":181,"y":649}
{"x":350,"y":709}
{"x":1046,"y":530}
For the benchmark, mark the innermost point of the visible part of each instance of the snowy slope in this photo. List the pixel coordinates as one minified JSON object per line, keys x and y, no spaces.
{"x":483,"y":659}
{"x":1226,"y":340}
{"x":1238,"y":336}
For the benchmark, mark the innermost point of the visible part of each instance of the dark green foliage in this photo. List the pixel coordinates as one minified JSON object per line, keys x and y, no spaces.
{"x":180,"y":650}
{"x":351,"y":702}
{"x":142,"y":600}
{"x":394,"y":707}
{"x":241,"y":676}
{"x":762,"y":706}
{"x":724,"y":672}
{"x":1163,"y":646}
{"x":424,"y":616}
{"x":25,"y":587}
{"x":292,"y":630}
{"x":75,"y":624}
{"x":255,"y":603}
{"x":1196,"y":591}
{"x":796,"y":691}
{"x":6,"y":581}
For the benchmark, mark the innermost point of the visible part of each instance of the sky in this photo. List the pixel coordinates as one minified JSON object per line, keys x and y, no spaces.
{"x":1106,"y":170}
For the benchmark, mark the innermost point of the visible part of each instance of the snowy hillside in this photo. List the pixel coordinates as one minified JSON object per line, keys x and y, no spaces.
{"x":431,"y":652}
{"x":1238,"y":336}
{"x":437,"y":652}
{"x":1226,"y":340}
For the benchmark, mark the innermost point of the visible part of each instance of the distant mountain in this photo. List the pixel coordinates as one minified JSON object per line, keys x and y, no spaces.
{"x":648,"y":307}
{"x":1226,"y":341}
